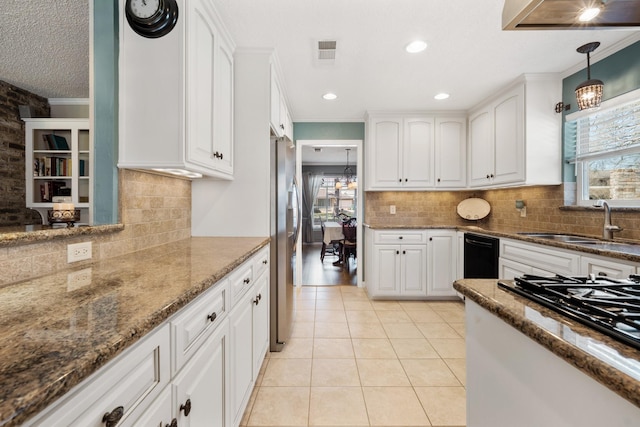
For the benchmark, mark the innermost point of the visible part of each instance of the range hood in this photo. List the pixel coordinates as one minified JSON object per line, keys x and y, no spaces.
{"x":563,"y":15}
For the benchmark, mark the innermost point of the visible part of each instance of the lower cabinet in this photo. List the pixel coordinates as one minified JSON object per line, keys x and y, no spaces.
{"x":411,"y":264}
{"x":249,"y":340}
{"x":199,"y":390}
{"x":196,"y":369}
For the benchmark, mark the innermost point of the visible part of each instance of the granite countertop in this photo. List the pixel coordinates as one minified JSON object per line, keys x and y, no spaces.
{"x":53,"y":334}
{"x":628,"y":253}
{"x":608,"y":361}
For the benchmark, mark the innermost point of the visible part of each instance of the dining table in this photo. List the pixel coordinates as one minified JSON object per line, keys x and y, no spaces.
{"x":332,"y":232}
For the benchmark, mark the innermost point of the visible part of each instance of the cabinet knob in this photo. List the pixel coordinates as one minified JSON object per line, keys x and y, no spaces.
{"x":257,"y":300}
{"x":491,"y":175}
{"x":110,"y":419}
{"x":400,"y":237}
{"x":212,"y":316}
{"x":438,"y":179}
{"x":186,"y":407}
{"x":406,"y":180}
{"x":404,"y":252}
{"x":174,"y":423}
{"x":487,"y":176}
{"x":265,"y":262}
{"x":602,"y":274}
{"x":246,"y":281}
{"x":397,"y":252}
{"x":399,"y":179}
{"x":431,"y":239}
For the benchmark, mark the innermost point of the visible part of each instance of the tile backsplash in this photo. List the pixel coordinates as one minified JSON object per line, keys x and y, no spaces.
{"x":545,"y":211}
{"x":155,"y":210}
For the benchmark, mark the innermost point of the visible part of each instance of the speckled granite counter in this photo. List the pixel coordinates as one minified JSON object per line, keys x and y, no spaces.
{"x":53,"y":335}
{"x":20,"y":235}
{"x":632,"y":254}
{"x":618,"y":367}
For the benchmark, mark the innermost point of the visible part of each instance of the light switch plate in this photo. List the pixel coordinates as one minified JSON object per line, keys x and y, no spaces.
{"x":392,"y":209}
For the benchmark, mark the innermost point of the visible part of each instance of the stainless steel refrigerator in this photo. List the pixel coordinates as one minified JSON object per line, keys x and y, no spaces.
{"x":285,"y":227}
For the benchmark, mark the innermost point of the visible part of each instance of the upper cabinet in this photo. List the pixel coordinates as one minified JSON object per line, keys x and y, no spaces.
{"x":176,"y":95}
{"x":415,"y":152}
{"x":280,"y":119}
{"x":515,"y":138}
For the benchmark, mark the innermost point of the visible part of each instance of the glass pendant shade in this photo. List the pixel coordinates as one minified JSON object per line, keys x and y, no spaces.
{"x":589,"y":94}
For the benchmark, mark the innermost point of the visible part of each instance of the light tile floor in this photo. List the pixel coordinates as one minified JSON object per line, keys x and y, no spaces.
{"x":356,"y":362}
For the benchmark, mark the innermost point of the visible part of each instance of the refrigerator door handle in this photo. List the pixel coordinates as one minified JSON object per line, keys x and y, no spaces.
{"x":296,"y":233}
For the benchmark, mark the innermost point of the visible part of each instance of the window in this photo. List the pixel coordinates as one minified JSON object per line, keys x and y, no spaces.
{"x":331,"y":201}
{"x":606,"y":152}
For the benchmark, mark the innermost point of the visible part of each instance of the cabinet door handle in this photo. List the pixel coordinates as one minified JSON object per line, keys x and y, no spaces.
{"x":246,"y":281}
{"x":399,"y":179}
{"x":491,"y":175}
{"x":265,"y":262}
{"x":174,"y":423}
{"x":281,"y":126}
{"x":438,"y":179}
{"x":431,"y":239}
{"x":487,"y":176}
{"x":406,"y":180}
{"x":111,"y":418}
{"x":212,"y":316}
{"x":400,"y":237}
{"x":397,"y":252}
{"x":186,"y":407}
{"x":602,"y":274}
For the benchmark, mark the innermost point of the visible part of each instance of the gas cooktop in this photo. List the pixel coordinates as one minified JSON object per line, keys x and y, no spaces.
{"x":611,"y":306}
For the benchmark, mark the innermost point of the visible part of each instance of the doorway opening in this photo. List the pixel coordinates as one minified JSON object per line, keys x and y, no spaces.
{"x":329,"y":177}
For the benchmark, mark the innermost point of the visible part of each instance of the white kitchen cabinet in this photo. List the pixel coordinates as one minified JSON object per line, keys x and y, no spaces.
{"x":280,"y":118}
{"x":515,"y":138}
{"x":52,"y":170}
{"x":248,"y":331}
{"x":450,"y":152}
{"x":442,"y":250}
{"x":509,"y":270}
{"x":400,"y":152}
{"x":176,"y":95}
{"x":158,"y":414}
{"x":128,"y":385}
{"x":398,"y":263}
{"x":200,"y":389}
{"x":615,"y":269}
{"x":542,"y":260}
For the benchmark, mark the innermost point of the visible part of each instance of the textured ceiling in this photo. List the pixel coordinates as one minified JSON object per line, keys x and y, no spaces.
{"x":45,"y":46}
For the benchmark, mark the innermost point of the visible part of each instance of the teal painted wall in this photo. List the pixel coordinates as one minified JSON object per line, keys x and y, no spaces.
{"x":620,"y":74}
{"x":105,"y":130}
{"x":328,"y":130}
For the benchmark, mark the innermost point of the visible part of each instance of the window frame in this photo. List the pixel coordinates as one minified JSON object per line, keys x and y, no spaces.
{"x":580,"y":163}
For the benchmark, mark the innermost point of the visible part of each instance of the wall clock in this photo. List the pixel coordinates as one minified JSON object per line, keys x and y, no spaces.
{"x":151,"y":18}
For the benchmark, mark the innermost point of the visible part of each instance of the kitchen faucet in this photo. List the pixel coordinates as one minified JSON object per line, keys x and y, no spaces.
{"x":607,"y":229}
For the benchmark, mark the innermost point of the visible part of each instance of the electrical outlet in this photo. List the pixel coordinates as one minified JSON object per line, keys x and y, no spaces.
{"x":78,"y":279}
{"x":392,"y":209}
{"x":78,"y":252}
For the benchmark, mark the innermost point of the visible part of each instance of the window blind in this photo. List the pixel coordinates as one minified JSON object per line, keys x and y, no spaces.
{"x":605,"y":132}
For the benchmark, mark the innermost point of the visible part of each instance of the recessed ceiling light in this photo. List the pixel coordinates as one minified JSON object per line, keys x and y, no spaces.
{"x":588,"y":14}
{"x":329,"y":96}
{"x":441,"y":96}
{"x":416,"y":46}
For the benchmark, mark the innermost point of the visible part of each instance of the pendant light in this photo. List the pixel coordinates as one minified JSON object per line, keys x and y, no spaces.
{"x":589,"y":92}
{"x":348,"y":175}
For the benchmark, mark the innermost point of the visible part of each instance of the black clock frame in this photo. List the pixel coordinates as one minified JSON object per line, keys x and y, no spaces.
{"x":157,"y":25}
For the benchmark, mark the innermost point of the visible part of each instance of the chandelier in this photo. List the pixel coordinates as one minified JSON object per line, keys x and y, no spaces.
{"x":347,"y":176}
{"x":589,"y":92}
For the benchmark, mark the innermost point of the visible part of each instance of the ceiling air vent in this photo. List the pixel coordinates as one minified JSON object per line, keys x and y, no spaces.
{"x":327,"y":50}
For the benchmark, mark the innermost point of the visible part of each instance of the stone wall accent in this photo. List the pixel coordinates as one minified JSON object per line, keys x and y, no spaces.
{"x":12,"y":154}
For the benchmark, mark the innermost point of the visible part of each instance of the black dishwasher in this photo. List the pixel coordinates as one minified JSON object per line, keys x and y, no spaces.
{"x":480,"y":256}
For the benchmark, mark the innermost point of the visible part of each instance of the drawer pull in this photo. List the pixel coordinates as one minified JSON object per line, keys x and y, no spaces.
{"x":247,"y":280}
{"x":257,"y":300}
{"x":186,"y":407}
{"x":264,"y":262}
{"x":212,"y":316}
{"x":602,"y":274}
{"x":111,"y":418}
{"x":174,"y":423}
{"x":400,"y":237}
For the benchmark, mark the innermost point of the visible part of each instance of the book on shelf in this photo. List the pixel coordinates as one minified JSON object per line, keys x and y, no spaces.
{"x":50,"y":189}
{"x":55,"y":142}
{"x":52,"y":166}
